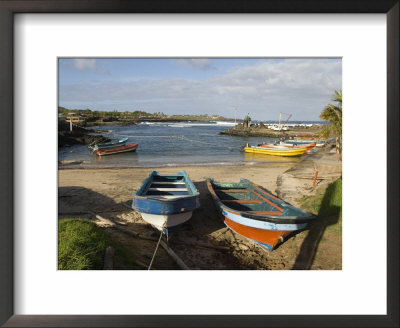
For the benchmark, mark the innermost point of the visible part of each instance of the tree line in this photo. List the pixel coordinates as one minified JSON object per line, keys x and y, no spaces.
{"x":114,"y":115}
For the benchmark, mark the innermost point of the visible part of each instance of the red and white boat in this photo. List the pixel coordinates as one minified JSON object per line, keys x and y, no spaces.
{"x":309,"y":146}
{"x":116,"y":150}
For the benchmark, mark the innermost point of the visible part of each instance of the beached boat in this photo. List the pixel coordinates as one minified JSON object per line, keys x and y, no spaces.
{"x":255,"y":213}
{"x":299,"y":142}
{"x":116,"y":149}
{"x":276,"y":151}
{"x":110,"y":144}
{"x":285,"y":145}
{"x":318,"y":143}
{"x":166,"y":201}
{"x":309,"y":146}
{"x":321,"y":143}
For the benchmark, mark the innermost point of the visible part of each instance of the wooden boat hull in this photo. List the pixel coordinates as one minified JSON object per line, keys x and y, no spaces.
{"x":240,"y":218}
{"x":318,"y":143}
{"x":299,"y":142}
{"x":309,"y":146}
{"x":275,"y":151}
{"x":268,"y":239}
{"x":166,"y":201}
{"x":116,"y":150}
{"x":173,"y":220}
{"x":255,"y":213}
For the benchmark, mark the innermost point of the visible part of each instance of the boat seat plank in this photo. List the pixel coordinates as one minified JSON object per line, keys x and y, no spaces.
{"x":233,"y":191}
{"x":241,"y":201}
{"x":169,"y":182}
{"x":168,"y":189}
{"x":266,"y":212}
{"x":166,"y":196}
{"x":265,"y":192}
{"x":268,"y":201}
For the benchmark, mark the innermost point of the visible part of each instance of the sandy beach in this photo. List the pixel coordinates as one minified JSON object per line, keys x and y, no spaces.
{"x":108,"y":192}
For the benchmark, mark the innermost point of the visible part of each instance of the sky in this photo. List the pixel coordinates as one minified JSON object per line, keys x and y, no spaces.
{"x":262,"y":87}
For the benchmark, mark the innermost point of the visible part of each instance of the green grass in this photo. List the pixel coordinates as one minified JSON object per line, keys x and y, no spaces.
{"x":327,"y":205}
{"x":82,"y":245}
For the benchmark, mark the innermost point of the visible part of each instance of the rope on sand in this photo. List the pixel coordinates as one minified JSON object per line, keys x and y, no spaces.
{"x":170,"y":252}
{"x":158,"y":244}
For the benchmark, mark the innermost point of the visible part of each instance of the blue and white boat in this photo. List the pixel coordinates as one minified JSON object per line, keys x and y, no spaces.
{"x":166,"y":201}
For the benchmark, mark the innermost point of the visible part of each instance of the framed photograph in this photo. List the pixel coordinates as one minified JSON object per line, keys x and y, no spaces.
{"x":53,"y":48}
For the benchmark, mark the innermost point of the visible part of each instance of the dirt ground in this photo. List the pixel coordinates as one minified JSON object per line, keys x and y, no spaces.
{"x":108,"y":193}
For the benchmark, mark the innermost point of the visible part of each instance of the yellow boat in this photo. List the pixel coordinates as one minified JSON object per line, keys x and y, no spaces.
{"x":275,"y":151}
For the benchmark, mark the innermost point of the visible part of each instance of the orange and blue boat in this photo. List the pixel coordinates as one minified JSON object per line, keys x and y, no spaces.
{"x":254,"y":213}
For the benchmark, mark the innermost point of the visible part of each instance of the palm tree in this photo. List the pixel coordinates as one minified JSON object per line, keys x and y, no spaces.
{"x":333,"y":115}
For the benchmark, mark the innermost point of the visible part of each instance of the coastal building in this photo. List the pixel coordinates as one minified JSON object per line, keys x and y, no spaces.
{"x":75,"y":119}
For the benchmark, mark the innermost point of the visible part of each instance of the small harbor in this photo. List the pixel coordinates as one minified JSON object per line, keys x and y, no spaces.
{"x":165,"y":181}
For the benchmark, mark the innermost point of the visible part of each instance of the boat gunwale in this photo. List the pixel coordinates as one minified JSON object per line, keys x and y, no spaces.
{"x":283,"y":152}
{"x":281,"y":146}
{"x":279,"y":219}
{"x":278,"y":149}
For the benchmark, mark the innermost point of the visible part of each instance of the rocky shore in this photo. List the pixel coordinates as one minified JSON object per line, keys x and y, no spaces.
{"x":78,"y":135}
{"x":262,"y":131}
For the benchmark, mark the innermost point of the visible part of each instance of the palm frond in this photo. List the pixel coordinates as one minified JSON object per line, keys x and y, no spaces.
{"x":333,"y":114}
{"x":337,"y":96}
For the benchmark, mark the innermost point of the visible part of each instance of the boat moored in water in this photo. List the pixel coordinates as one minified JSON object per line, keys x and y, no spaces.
{"x":116,"y":149}
{"x":166,"y":201}
{"x":110,"y":144}
{"x":318,"y":143}
{"x":286,"y":145}
{"x":255,"y":213}
{"x":276,"y":151}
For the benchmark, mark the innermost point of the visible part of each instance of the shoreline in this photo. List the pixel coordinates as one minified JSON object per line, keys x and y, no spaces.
{"x":76,"y":165}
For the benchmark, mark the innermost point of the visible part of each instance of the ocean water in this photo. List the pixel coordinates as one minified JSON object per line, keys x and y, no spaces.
{"x":171,"y":144}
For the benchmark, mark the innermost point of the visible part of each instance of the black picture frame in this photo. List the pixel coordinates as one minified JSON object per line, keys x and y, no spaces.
{"x":10,"y":7}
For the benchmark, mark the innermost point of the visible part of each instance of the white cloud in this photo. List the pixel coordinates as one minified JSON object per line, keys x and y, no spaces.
{"x":301,"y":87}
{"x":83,"y":64}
